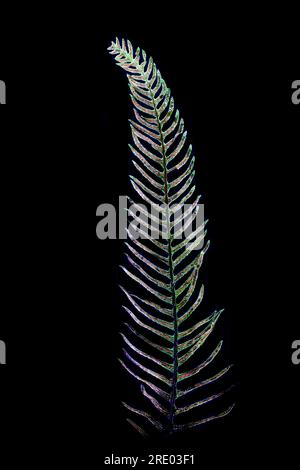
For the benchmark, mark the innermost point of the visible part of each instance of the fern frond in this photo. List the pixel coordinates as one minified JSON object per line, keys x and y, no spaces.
{"x":166,"y":267}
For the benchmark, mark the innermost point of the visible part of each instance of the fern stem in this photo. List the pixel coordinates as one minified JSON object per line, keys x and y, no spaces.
{"x":173,"y":396}
{"x":171,"y":414}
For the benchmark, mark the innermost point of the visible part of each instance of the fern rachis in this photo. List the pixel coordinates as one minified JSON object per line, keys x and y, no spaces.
{"x":163,"y":161}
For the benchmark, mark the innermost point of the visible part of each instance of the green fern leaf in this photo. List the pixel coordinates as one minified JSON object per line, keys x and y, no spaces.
{"x":159,"y":345}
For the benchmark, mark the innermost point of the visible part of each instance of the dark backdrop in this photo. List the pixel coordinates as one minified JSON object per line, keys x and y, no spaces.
{"x":66,"y":133}
{"x":243,"y":126}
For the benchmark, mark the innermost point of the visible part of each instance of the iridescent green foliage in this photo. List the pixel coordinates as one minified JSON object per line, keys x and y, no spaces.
{"x":164,"y":333}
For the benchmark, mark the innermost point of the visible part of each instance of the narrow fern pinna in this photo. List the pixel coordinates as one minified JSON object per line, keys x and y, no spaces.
{"x":163,"y":334}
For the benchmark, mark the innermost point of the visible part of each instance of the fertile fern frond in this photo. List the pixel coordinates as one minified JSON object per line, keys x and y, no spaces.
{"x":164,"y":335}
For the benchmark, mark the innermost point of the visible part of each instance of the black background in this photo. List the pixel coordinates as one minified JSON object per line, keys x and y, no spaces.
{"x":245,"y":134}
{"x":61,"y":300}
